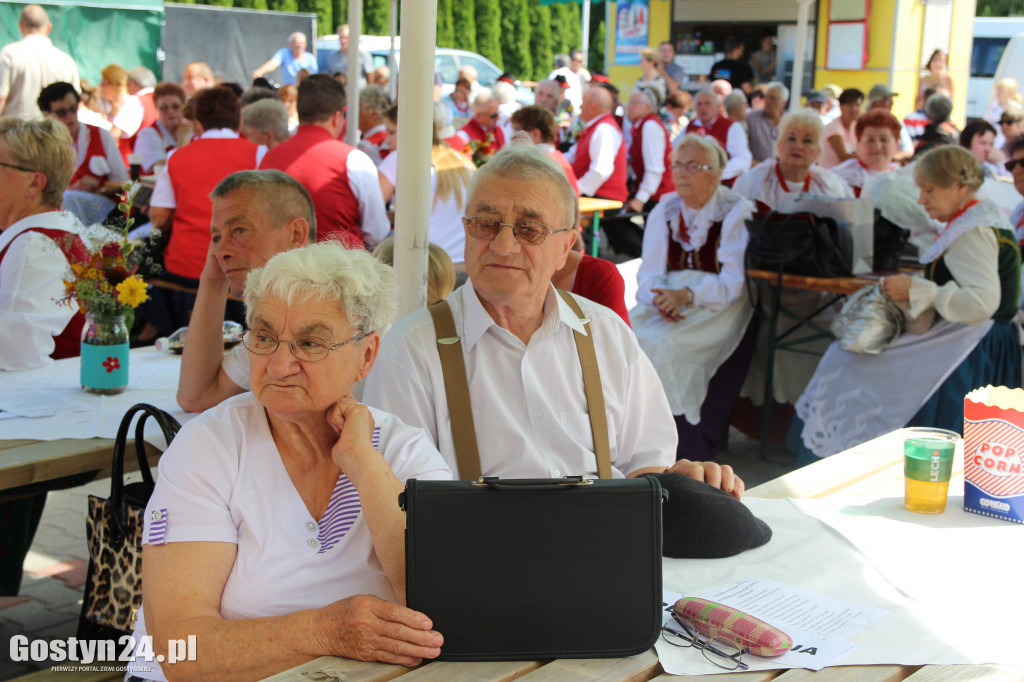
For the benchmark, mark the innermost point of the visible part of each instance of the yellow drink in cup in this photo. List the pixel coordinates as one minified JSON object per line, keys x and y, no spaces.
{"x":927,"y":466}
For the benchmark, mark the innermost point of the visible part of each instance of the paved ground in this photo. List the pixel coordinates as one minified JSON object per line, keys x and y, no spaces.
{"x":51,"y":591}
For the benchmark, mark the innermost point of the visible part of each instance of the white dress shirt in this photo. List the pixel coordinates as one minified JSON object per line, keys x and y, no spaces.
{"x":30,"y":285}
{"x":529,"y":406}
{"x":653,"y":151}
{"x":163,"y":192}
{"x":151,"y":145}
{"x":738,"y":149}
{"x":604,"y":146}
{"x":129,"y":116}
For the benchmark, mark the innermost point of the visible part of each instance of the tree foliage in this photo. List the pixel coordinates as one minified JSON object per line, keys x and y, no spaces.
{"x":283,"y":5}
{"x":540,"y":40}
{"x":445,"y":28}
{"x":488,"y":30}
{"x":377,"y":17}
{"x":322,"y":10}
{"x":999,"y":8}
{"x":595,"y":55}
{"x":515,"y":38}
{"x":464,"y":24}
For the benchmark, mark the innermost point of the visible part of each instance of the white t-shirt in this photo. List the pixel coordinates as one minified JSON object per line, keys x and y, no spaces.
{"x":446,"y":228}
{"x":829,"y":158}
{"x":222,"y":480}
{"x":26,"y":67}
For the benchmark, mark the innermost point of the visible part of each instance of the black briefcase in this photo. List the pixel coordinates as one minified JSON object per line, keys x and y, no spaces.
{"x":520,"y":569}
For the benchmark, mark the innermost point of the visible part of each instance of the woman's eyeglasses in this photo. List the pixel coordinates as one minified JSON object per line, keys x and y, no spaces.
{"x":308,"y":348}
{"x":690,"y":167}
{"x":525,"y":231}
{"x":722,"y":655}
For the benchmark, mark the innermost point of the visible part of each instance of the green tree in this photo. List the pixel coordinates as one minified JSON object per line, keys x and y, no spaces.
{"x":377,"y":17}
{"x":464,"y":24}
{"x":220,"y":3}
{"x":999,"y":8}
{"x":595,"y":56}
{"x":540,"y":40}
{"x":488,"y":29}
{"x":251,"y":4}
{"x":283,"y":5}
{"x":515,"y":38}
{"x":445,"y":27}
{"x":322,"y":10}
{"x":565,"y":28}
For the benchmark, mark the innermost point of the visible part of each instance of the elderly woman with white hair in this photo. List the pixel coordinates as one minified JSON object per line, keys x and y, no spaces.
{"x":693,"y":319}
{"x":273,"y":535}
{"x":971,"y":282}
{"x":771,"y":185}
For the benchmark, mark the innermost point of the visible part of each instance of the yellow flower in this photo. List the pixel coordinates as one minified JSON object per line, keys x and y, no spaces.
{"x":132,"y":291}
{"x":92,"y":273}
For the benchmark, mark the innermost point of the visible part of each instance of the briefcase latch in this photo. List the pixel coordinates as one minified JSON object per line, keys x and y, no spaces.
{"x":497,"y":481}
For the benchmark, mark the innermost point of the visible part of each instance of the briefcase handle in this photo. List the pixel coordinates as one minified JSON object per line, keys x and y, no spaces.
{"x":498,"y":482}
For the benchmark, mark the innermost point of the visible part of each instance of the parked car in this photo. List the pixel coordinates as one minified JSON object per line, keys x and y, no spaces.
{"x":991,"y":36}
{"x":447,"y":62}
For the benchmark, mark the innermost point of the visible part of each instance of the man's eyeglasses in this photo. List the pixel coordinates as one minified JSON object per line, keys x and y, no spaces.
{"x":722,"y":655}
{"x":1007,"y":121}
{"x":690,"y":167}
{"x":308,"y":348}
{"x":21,"y":168}
{"x":525,"y":231}
{"x":1009,"y":165}
{"x":61,"y":113}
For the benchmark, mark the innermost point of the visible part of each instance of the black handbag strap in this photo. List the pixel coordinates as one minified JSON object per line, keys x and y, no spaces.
{"x":168,"y":425}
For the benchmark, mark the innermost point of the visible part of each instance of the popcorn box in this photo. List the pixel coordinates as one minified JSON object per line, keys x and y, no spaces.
{"x":994,"y":453}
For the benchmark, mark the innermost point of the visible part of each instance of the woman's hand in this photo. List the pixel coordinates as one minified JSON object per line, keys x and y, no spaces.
{"x":715,"y":475}
{"x":669,"y":301}
{"x":367,"y":628}
{"x":897,"y":287}
{"x":354,"y":424}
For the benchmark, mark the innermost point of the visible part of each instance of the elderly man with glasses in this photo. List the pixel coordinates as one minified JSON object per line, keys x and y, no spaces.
{"x":482,"y":134}
{"x":525,"y":350}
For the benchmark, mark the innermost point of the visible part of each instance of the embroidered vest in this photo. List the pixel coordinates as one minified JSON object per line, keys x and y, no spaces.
{"x":68,"y":343}
{"x":615,"y":186}
{"x":704,"y":259}
{"x":636,"y":157}
{"x":1009,"y":274}
{"x":95,"y":148}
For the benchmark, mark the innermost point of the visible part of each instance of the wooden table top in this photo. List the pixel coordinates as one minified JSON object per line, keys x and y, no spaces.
{"x":594,"y":204}
{"x":834,"y":285}
{"x":878,"y":461}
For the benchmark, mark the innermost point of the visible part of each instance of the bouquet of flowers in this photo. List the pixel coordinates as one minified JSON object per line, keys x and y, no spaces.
{"x":103,"y":277}
{"x":483,"y":150}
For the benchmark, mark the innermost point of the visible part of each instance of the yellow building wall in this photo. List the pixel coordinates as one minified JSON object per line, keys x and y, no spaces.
{"x":623,"y":77}
{"x":960,"y":55}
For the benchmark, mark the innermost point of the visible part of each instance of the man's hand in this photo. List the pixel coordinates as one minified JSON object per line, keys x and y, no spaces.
{"x":212,"y":271}
{"x":715,"y":475}
{"x":897,"y":287}
{"x":368,"y":628}
{"x":635,"y":205}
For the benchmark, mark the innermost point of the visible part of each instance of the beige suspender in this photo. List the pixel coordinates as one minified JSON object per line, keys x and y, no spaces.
{"x":456,"y":388}
{"x":460,"y":410}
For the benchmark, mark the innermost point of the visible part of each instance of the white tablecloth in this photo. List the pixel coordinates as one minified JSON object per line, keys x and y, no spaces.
{"x":152,"y":378}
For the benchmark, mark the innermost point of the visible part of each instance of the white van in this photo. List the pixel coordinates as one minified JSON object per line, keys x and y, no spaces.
{"x":991,"y":36}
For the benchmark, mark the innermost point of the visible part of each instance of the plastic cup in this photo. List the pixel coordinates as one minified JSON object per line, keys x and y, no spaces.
{"x":927,"y":466}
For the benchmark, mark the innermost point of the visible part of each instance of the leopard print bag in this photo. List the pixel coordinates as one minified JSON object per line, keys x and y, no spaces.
{"x":113,"y":587}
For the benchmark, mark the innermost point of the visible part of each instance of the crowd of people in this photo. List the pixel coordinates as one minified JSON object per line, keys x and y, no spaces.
{"x":268,"y":217}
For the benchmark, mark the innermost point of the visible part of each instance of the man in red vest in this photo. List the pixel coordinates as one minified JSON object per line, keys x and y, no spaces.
{"x":183,"y":191}
{"x":599,"y":156}
{"x":482,"y":134}
{"x":341,"y":179}
{"x":373,"y":104}
{"x":730,"y":135}
{"x":649,"y":151}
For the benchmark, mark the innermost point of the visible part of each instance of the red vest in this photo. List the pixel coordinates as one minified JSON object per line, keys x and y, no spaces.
{"x":149,"y":116}
{"x":636,"y":157}
{"x":704,"y":259}
{"x":195,"y":170}
{"x":719,"y":129}
{"x":474,"y":131}
{"x":615,"y":186}
{"x":95,"y":148}
{"x":68,"y":343}
{"x":320,"y":164}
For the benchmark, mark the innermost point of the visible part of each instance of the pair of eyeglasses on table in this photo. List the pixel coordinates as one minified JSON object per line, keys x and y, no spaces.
{"x":722,"y":655}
